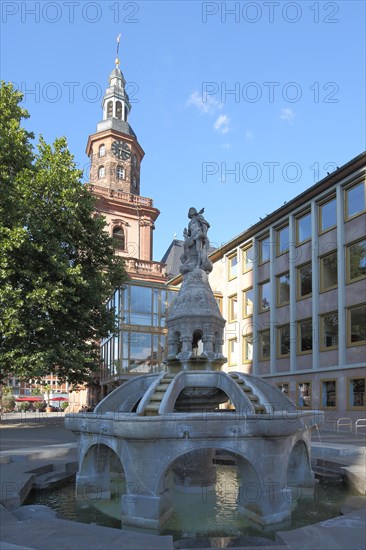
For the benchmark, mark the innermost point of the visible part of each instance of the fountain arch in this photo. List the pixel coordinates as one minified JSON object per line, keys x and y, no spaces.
{"x":100,"y":466}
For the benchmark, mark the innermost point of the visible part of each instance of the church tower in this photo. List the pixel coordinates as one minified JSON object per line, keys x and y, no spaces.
{"x":115,"y":160}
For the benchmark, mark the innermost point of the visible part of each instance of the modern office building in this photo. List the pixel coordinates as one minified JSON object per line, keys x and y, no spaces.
{"x":140,"y":346}
{"x":294,"y":295}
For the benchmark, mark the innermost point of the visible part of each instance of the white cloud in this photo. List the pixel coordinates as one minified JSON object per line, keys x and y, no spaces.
{"x":222,"y":124}
{"x":248,"y":135}
{"x":287,"y":114}
{"x":210,"y":106}
{"x":226,"y":145}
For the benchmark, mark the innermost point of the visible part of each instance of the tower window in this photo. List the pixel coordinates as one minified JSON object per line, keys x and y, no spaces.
{"x":119,"y":236}
{"x":101,"y":172}
{"x":125,"y":113}
{"x":102,"y":150}
{"x":120,"y":172}
{"x":109,"y":109}
{"x":119,"y":110}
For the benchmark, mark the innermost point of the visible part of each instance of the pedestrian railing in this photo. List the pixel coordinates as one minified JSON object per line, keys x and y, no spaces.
{"x":360,"y":423}
{"x":343,"y":422}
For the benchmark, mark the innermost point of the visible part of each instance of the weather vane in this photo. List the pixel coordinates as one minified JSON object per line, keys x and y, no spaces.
{"x":117,"y":50}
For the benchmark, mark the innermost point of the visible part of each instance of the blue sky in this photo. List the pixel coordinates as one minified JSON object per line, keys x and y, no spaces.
{"x":296,"y":108}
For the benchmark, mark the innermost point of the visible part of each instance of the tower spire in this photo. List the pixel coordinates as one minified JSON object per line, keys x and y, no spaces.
{"x":117,"y":61}
{"x":115,"y":103}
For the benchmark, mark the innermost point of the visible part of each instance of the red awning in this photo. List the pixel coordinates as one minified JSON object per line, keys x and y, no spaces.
{"x":30,"y":398}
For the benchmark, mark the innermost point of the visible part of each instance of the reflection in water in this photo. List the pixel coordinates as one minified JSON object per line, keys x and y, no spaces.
{"x":208,"y":512}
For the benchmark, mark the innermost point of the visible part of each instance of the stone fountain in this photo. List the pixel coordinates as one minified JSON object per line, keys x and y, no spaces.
{"x":164,"y":429}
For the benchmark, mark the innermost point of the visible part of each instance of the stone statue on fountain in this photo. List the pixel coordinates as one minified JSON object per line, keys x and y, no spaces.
{"x":196,"y":243}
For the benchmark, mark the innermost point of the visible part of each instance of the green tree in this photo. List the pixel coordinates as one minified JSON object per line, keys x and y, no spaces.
{"x":7,"y":403}
{"x":57,"y":266}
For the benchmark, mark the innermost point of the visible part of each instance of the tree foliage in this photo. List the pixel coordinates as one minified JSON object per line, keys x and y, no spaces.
{"x":57,"y":263}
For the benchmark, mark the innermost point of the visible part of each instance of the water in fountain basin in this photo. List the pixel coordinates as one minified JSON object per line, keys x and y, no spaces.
{"x":197,"y":515}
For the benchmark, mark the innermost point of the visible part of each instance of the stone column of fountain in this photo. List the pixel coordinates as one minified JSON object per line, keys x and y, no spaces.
{"x":196,"y":325}
{"x":173,"y":421}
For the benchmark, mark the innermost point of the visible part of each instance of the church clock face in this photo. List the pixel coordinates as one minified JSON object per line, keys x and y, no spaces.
{"x":121,"y":150}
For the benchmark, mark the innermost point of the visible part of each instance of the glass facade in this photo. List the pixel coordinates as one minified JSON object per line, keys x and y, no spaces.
{"x":140,"y":344}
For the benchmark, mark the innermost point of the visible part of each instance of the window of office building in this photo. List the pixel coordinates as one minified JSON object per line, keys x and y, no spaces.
{"x":248,"y":301}
{"x":264,"y":249}
{"x":304,"y":281}
{"x":264,"y":341}
{"x":232,"y":352}
{"x":329,"y":331}
{"x":219,"y":303}
{"x":304,"y":395}
{"x":355,"y":200}
{"x":356,"y":261}
{"x":305,"y":336}
{"x":328,"y":390}
{"x":283,"y":341}
{"x":327,"y":215}
{"x":283,"y":239}
{"x":233,"y":308}
{"x":303,"y":228}
{"x":248,"y":258}
{"x":328,"y":271}
{"x":356,"y":325}
{"x":356,"y":393}
{"x":283,"y":289}
{"x":264,"y":296}
{"x":283,"y":387}
{"x":233,"y":266}
{"x":248,"y":348}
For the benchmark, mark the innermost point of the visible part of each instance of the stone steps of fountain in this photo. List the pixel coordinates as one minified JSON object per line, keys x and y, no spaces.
{"x":329,"y":476}
{"x":258,"y":407}
{"x":27,"y":467}
{"x":162,"y":387}
{"x":157,"y":396}
{"x":54,"y":479}
{"x":337,"y":450}
{"x":152,"y":408}
{"x":330,"y":463}
{"x":253,"y":397}
{"x":243,"y":386}
{"x":342,"y":460}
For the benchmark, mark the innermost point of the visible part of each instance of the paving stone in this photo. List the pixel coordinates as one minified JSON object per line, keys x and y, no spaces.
{"x":340,"y":533}
{"x":39,"y":530}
